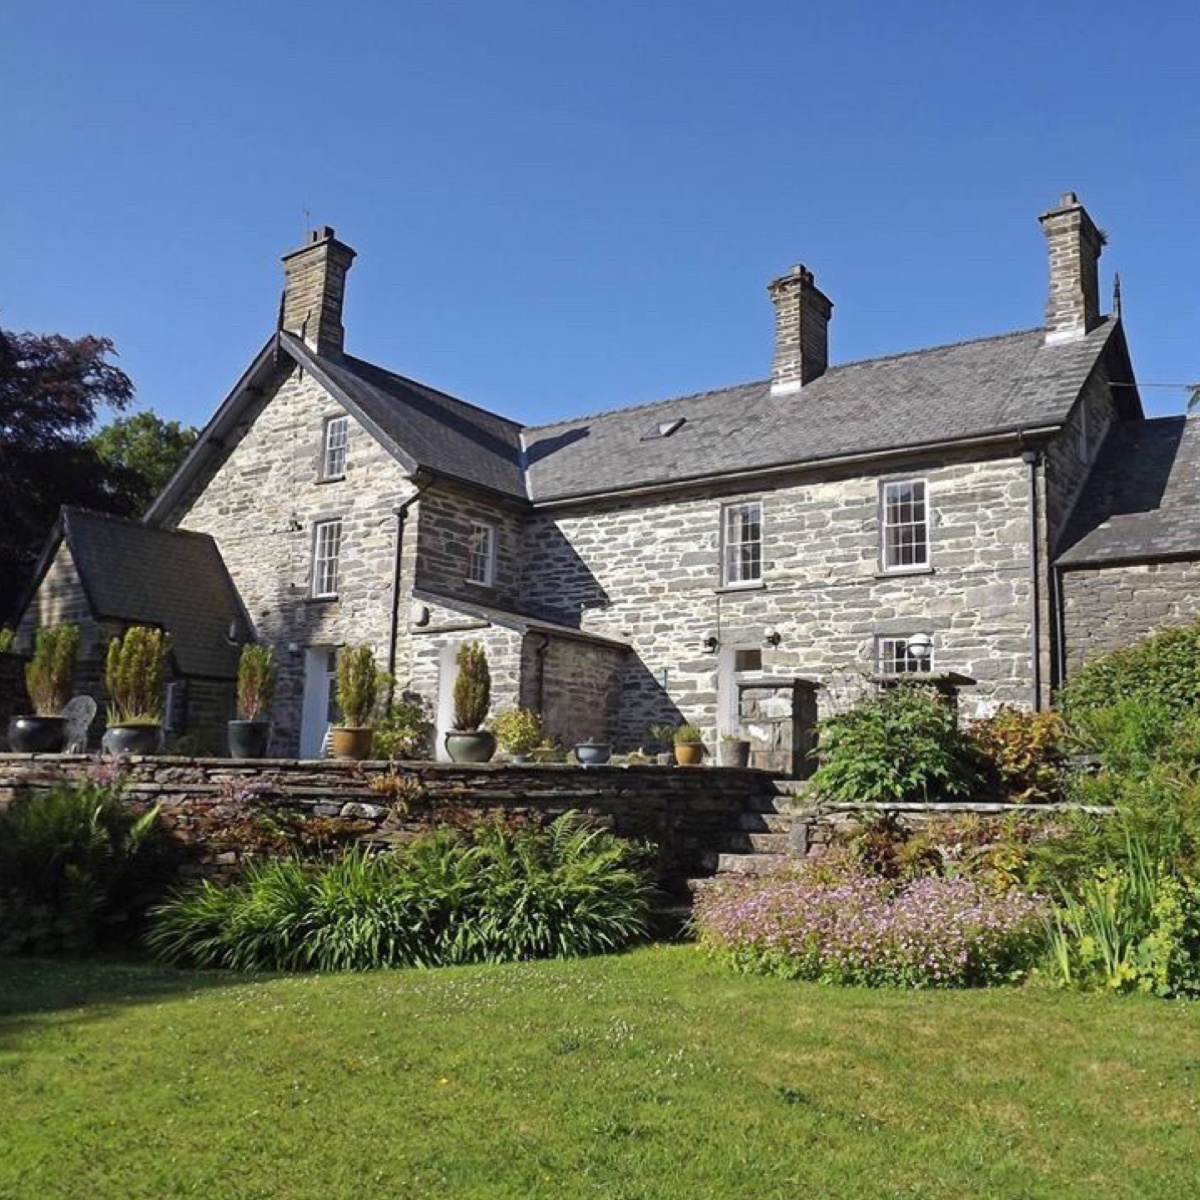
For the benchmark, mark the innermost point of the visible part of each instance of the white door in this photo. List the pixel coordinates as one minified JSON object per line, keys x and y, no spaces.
{"x":734,"y":663}
{"x":447,"y":674}
{"x":320,"y":699}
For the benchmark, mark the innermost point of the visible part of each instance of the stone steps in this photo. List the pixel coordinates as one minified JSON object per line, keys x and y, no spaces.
{"x":742,"y":842}
{"x":765,"y":822}
{"x":749,"y":864}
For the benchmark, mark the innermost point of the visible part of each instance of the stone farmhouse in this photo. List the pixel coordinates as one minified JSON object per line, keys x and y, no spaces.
{"x":991,"y":513}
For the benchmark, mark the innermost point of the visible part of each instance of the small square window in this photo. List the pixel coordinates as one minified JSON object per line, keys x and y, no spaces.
{"x":481,"y":557}
{"x":905,"y":525}
{"x":741,"y":551}
{"x":894,"y":657}
{"x":333,"y":457}
{"x":327,"y":546}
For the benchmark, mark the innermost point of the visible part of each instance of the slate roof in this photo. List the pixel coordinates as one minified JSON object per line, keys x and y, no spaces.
{"x":1142,"y":500}
{"x":174,"y":580}
{"x":437,"y":431}
{"x":969,"y":389}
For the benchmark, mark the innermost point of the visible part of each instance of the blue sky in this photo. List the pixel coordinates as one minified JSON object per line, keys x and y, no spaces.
{"x":562,"y":207}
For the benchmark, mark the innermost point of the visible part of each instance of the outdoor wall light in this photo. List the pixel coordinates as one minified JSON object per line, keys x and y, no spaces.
{"x":773,"y":638}
{"x":711,"y":644}
{"x":920,"y":646}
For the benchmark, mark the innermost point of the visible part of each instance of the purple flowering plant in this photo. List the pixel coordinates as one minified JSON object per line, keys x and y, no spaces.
{"x":849,"y":927}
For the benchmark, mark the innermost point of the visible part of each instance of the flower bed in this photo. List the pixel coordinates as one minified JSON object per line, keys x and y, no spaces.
{"x":860,"y":929}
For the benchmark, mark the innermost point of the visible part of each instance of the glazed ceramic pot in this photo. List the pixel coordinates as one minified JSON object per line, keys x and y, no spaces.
{"x":353,"y":742}
{"x":470,"y":745}
{"x":37,"y":735}
{"x":249,"y":739}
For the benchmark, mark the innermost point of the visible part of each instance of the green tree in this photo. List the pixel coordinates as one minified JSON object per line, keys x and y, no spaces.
{"x":141,"y":452}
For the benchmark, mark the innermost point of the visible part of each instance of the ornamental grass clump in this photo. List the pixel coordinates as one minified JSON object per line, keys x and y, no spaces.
{"x":50,"y":673}
{"x":852,"y":928}
{"x":494,"y":893}
{"x":255,"y":682}
{"x":135,"y":673}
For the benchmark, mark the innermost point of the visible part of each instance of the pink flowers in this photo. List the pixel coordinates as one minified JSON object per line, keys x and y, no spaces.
{"x":863,"y":930}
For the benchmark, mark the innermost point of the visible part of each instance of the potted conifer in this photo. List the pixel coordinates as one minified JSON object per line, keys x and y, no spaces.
{"x":250,"y":734}
{"x":135,"y":672}
{"x":358,"y":681}
{"x":468,"y":741}
{"x":48,"y":678}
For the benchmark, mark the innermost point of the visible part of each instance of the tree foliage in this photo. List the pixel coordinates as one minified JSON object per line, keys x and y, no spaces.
{"x":141,"y":452}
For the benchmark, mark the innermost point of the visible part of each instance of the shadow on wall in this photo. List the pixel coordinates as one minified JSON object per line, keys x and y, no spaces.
{"x":644,"y":702}
{"x":560,"y":586}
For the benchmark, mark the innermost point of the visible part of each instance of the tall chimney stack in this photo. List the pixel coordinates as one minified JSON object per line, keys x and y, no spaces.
{"x":1075,"y":244}
{"x":802,"y":313}
{"x":313,"y":290}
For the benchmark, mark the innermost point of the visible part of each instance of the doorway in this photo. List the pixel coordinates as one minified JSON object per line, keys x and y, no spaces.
{"x":320,"y":709}
{"x":447,"y":677}
{"x":734,"y":663}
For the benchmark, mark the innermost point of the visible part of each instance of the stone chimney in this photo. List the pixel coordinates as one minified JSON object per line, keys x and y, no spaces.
{"x":1073,"y":306}
{"x":313,"y":290}
{"x":802,"y":313}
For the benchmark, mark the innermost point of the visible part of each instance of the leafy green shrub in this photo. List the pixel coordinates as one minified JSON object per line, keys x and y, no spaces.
{"x":255,"y":682}
{"x":1130,"y":736}
{"x":50,"y":673}
{"x":1163,"y":669}
{"x":1023,"y":753}
{"x":77,"y":869}
{"x":406,"y":729}
{"x":518,"y":730}
{"x":135,"y":673}
{"x":1133,"y":925}
{"x":358,"y":684}
{"x":472,"y":688}
{"x":496,"y":893}
{"x":904,"y":744}
{"x":7,"y":638}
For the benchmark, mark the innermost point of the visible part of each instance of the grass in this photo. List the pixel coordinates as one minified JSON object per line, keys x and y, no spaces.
{"x":643,"y":1076}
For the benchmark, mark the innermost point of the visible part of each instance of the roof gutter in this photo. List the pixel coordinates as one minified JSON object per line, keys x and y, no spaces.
{"x":1017,"y":436}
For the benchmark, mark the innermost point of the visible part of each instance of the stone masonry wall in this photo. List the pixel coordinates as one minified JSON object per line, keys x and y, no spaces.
{"x":13,"y":700}
{"x":684,"y":812}
{"x":580,"y":688}
{"x":1108,"y":607}
{"x":261,"y":507}
{"x":649,"y":571}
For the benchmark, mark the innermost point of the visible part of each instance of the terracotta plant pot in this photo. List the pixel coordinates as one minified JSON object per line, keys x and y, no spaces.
{"x":689,"y":754}
{"x":353,"y":742}
{"x":249,"y":739}
{"x":470,"y":745}
{"x":734,"y":752}
{"x":37,"y":735}
{"x":593,"y":754}
{"x":132,"y":739}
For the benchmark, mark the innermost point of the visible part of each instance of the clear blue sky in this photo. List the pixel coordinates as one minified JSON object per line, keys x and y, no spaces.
{"x":562,"y":207}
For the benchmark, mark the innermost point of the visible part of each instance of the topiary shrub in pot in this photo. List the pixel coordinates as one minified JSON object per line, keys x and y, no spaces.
{"x":689,"y":746}
{"x":519,"y":732}
{"x":135,"y":674}
{"x":250,"y":734}
{"x":358,"y":685}
{"x":468,"y":741}
{"x":48,"y":678}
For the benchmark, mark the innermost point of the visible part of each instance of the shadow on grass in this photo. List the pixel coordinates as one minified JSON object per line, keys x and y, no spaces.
{"x":32,"y":989}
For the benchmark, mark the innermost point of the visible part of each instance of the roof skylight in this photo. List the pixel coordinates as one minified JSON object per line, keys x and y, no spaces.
{"x":662,"y":429}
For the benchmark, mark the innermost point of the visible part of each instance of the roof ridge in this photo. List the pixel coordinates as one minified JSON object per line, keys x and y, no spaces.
{"x":132,"y":522}
{"x":858,"y":362}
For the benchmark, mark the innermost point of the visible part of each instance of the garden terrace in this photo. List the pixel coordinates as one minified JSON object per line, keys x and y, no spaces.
{"x":208,"y":803}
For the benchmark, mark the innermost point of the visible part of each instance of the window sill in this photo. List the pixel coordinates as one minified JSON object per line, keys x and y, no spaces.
{"x":483,"y":587}
{"x":732,"y":588}
{"x":331,"y":479}
{"x":904,"y":572}
{"x":320,"y":599}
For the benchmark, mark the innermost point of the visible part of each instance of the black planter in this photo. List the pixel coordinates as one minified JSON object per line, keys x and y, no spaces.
{"x":249,"y":739}
{"x":593,"y":754}
{"x":474,"y":746}
{"x":131,"y":739}
{"x":37,"y":735}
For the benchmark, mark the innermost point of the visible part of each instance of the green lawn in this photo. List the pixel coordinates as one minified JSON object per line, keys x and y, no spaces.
{"x":649,"y":1075}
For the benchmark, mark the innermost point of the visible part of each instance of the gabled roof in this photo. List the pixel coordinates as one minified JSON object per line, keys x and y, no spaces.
{"x":1142,"y":499}
{"x":947,"y":393}
{"x":142,"y":574}
{"x":989,"y":387}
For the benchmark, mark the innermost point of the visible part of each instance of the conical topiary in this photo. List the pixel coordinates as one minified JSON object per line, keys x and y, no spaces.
{"x":135,"y":674}
{"x":472,"y":688}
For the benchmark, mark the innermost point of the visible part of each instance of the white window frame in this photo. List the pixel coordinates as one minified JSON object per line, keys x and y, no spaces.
{"x":728,"y":545}
{"x":887,"y":655}
{"x":886,"y":524}
{"x":329,"y":448}
{"x":485,"y":577}
{"x":326,"y":558}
